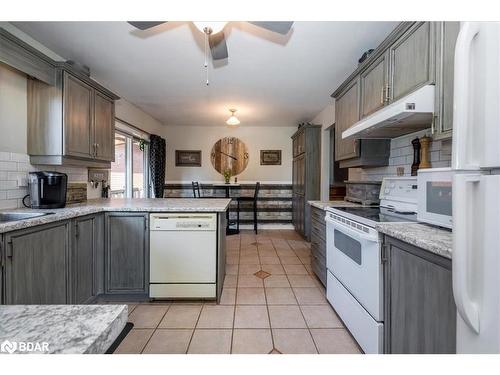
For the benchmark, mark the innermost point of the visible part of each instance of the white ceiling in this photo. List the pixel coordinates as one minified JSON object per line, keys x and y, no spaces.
{"x":272,"y":80}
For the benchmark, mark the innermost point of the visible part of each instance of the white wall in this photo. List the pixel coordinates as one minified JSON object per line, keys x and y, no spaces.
{"x":128,"y":112}
{"x":325,"y":118}
{"x":256,"y":139}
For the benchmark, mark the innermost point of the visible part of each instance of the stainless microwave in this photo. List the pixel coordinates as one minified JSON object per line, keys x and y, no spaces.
{"x":435,"y":196}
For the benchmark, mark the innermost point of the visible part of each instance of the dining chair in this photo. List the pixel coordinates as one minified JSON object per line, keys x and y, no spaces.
{"x":249,"y":199}
{"x":196,"y":189}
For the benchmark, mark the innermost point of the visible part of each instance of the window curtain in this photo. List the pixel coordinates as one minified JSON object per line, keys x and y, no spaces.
{"x":157,"y":160}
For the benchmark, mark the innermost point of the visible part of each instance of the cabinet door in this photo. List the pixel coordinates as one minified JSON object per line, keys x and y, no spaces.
{"x":86,"y":239}
{"x":37,"y":265}
{"x":301,"y":172}
{"x":411,"y":60}
{"x":373,"y":84}
{"x":78,"y":118}
{"x":446,"y":35}
{"x":127,"y":253}
{"x":421,"y":313}
{"x":347,"y":114}
{"x":104,"y":127}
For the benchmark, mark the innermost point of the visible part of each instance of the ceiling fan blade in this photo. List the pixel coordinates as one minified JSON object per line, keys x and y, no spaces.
{"x":281,"y":27}
{"x":218,"y":46}
{"x":144,"y":25}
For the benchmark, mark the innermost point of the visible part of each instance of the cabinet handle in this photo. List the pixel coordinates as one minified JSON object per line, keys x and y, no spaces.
{"x":382,"y":96}
{"x":387,"y":94}
{"x":8,"y":250}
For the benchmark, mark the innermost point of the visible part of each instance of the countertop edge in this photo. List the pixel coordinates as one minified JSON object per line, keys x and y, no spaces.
{"x":437,"y":241}
{"x":97,"y":206}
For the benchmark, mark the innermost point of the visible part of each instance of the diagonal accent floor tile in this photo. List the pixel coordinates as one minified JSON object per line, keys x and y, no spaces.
{"x":262,"y":274}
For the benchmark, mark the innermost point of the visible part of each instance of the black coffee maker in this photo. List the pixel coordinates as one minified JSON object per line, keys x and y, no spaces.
{"x":47,"y":190}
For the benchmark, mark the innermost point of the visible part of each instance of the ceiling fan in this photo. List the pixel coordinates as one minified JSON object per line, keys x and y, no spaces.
{"x":214,"y":32}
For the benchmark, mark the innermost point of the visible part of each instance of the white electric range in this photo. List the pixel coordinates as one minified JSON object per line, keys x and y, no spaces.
{"x":354,"y":261}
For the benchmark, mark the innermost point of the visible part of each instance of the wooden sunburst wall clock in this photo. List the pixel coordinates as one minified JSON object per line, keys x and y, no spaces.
{"x":229,"y":153}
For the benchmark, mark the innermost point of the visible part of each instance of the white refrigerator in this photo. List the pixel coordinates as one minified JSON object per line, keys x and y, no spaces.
{"x":476,"y":187}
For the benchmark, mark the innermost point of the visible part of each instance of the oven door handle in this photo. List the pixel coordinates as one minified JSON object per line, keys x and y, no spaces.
{"x":352,"y":233}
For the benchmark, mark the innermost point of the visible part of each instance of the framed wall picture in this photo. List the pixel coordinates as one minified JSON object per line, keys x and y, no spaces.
{"x":270,"y":157}
{"x":188,"y":158}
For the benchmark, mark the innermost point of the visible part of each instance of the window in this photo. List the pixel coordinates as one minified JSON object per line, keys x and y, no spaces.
{"x":130,"y":170}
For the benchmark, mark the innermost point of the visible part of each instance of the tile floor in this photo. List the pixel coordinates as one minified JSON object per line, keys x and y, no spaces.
{"x":271,"y":303}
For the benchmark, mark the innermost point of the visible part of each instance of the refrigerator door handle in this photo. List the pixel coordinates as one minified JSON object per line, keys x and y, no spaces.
{"x":460,"y":150}
{"x":467,"y":308}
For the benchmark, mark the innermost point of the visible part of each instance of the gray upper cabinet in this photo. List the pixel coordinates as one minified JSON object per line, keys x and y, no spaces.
{"x":127,"y":253}
{"x":420,"y":313}
{"x":36,"y":265}
{"x":446,"y":36}
{"x":87,"y":244}
{"x":373,"y":82}
{"x":71,"y":123}
{"x":411,"y":60}
{"x":357,"y":152}
{"x":346,"y":114}
{"x":78,"y":122}
{"x":104,"y":127}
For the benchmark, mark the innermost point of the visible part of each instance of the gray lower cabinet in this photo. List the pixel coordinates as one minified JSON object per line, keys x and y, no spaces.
{"x":87,"y":255}
{"x":318,"y":243}
{"x":127,"y":253}
{"x":420,"y":313}
{"x":221,"y":253}
{"x":36,"y":265}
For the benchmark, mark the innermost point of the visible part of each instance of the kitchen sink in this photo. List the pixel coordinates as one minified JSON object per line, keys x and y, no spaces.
{"x":16,"y":216}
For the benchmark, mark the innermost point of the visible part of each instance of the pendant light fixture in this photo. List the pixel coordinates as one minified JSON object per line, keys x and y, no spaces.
{"x":233,"y":120}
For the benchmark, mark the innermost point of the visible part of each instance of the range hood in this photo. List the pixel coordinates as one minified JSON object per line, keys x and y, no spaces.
{"x":412,"y":113}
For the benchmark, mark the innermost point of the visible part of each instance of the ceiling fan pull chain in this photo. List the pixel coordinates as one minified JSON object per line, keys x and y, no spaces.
{"x":206,"y":57}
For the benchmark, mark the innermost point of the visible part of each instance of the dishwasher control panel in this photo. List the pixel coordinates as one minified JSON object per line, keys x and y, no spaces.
{"x":183,"y":222}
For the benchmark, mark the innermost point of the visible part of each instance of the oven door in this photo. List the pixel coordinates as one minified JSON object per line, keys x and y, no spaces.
{"x":354,"y":259}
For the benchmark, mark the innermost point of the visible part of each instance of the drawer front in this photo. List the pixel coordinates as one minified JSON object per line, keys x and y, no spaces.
{"x":318,"y":214}
{"x":319,"y":270}
{"x":319,"y":248}
{"x":318,"y":230}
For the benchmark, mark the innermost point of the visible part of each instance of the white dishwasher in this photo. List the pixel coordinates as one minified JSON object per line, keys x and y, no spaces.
{"x":183,"y":255}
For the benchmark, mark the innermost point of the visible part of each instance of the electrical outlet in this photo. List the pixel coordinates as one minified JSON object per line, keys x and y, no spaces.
{"x":22,"y":181}
{"x":400,"y":171}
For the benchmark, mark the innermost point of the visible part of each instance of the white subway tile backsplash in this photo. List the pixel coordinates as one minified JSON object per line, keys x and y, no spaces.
{"x":6,"y":185}
{"x":7,"y":204}
{"x":402,"y":156}
{"x":4,"y":156}
{"x":14,"y":168}
{"x":8,"y":166}
{"x":16,"y":194}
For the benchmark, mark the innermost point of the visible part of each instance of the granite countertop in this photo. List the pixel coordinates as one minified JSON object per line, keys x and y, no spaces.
{"x":436,"y":240}
{"x":325,"y":204}
{"x":119,"y":205}
{"x":68,"y":329}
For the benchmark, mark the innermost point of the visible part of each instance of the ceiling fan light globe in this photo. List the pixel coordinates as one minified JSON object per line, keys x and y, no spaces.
{"x":233,"y":121}
{"x":212,"y":27}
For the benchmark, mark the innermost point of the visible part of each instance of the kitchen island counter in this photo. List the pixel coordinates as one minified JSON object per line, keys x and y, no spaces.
{"x":61,"y":329}
{"x":118,"y":205}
